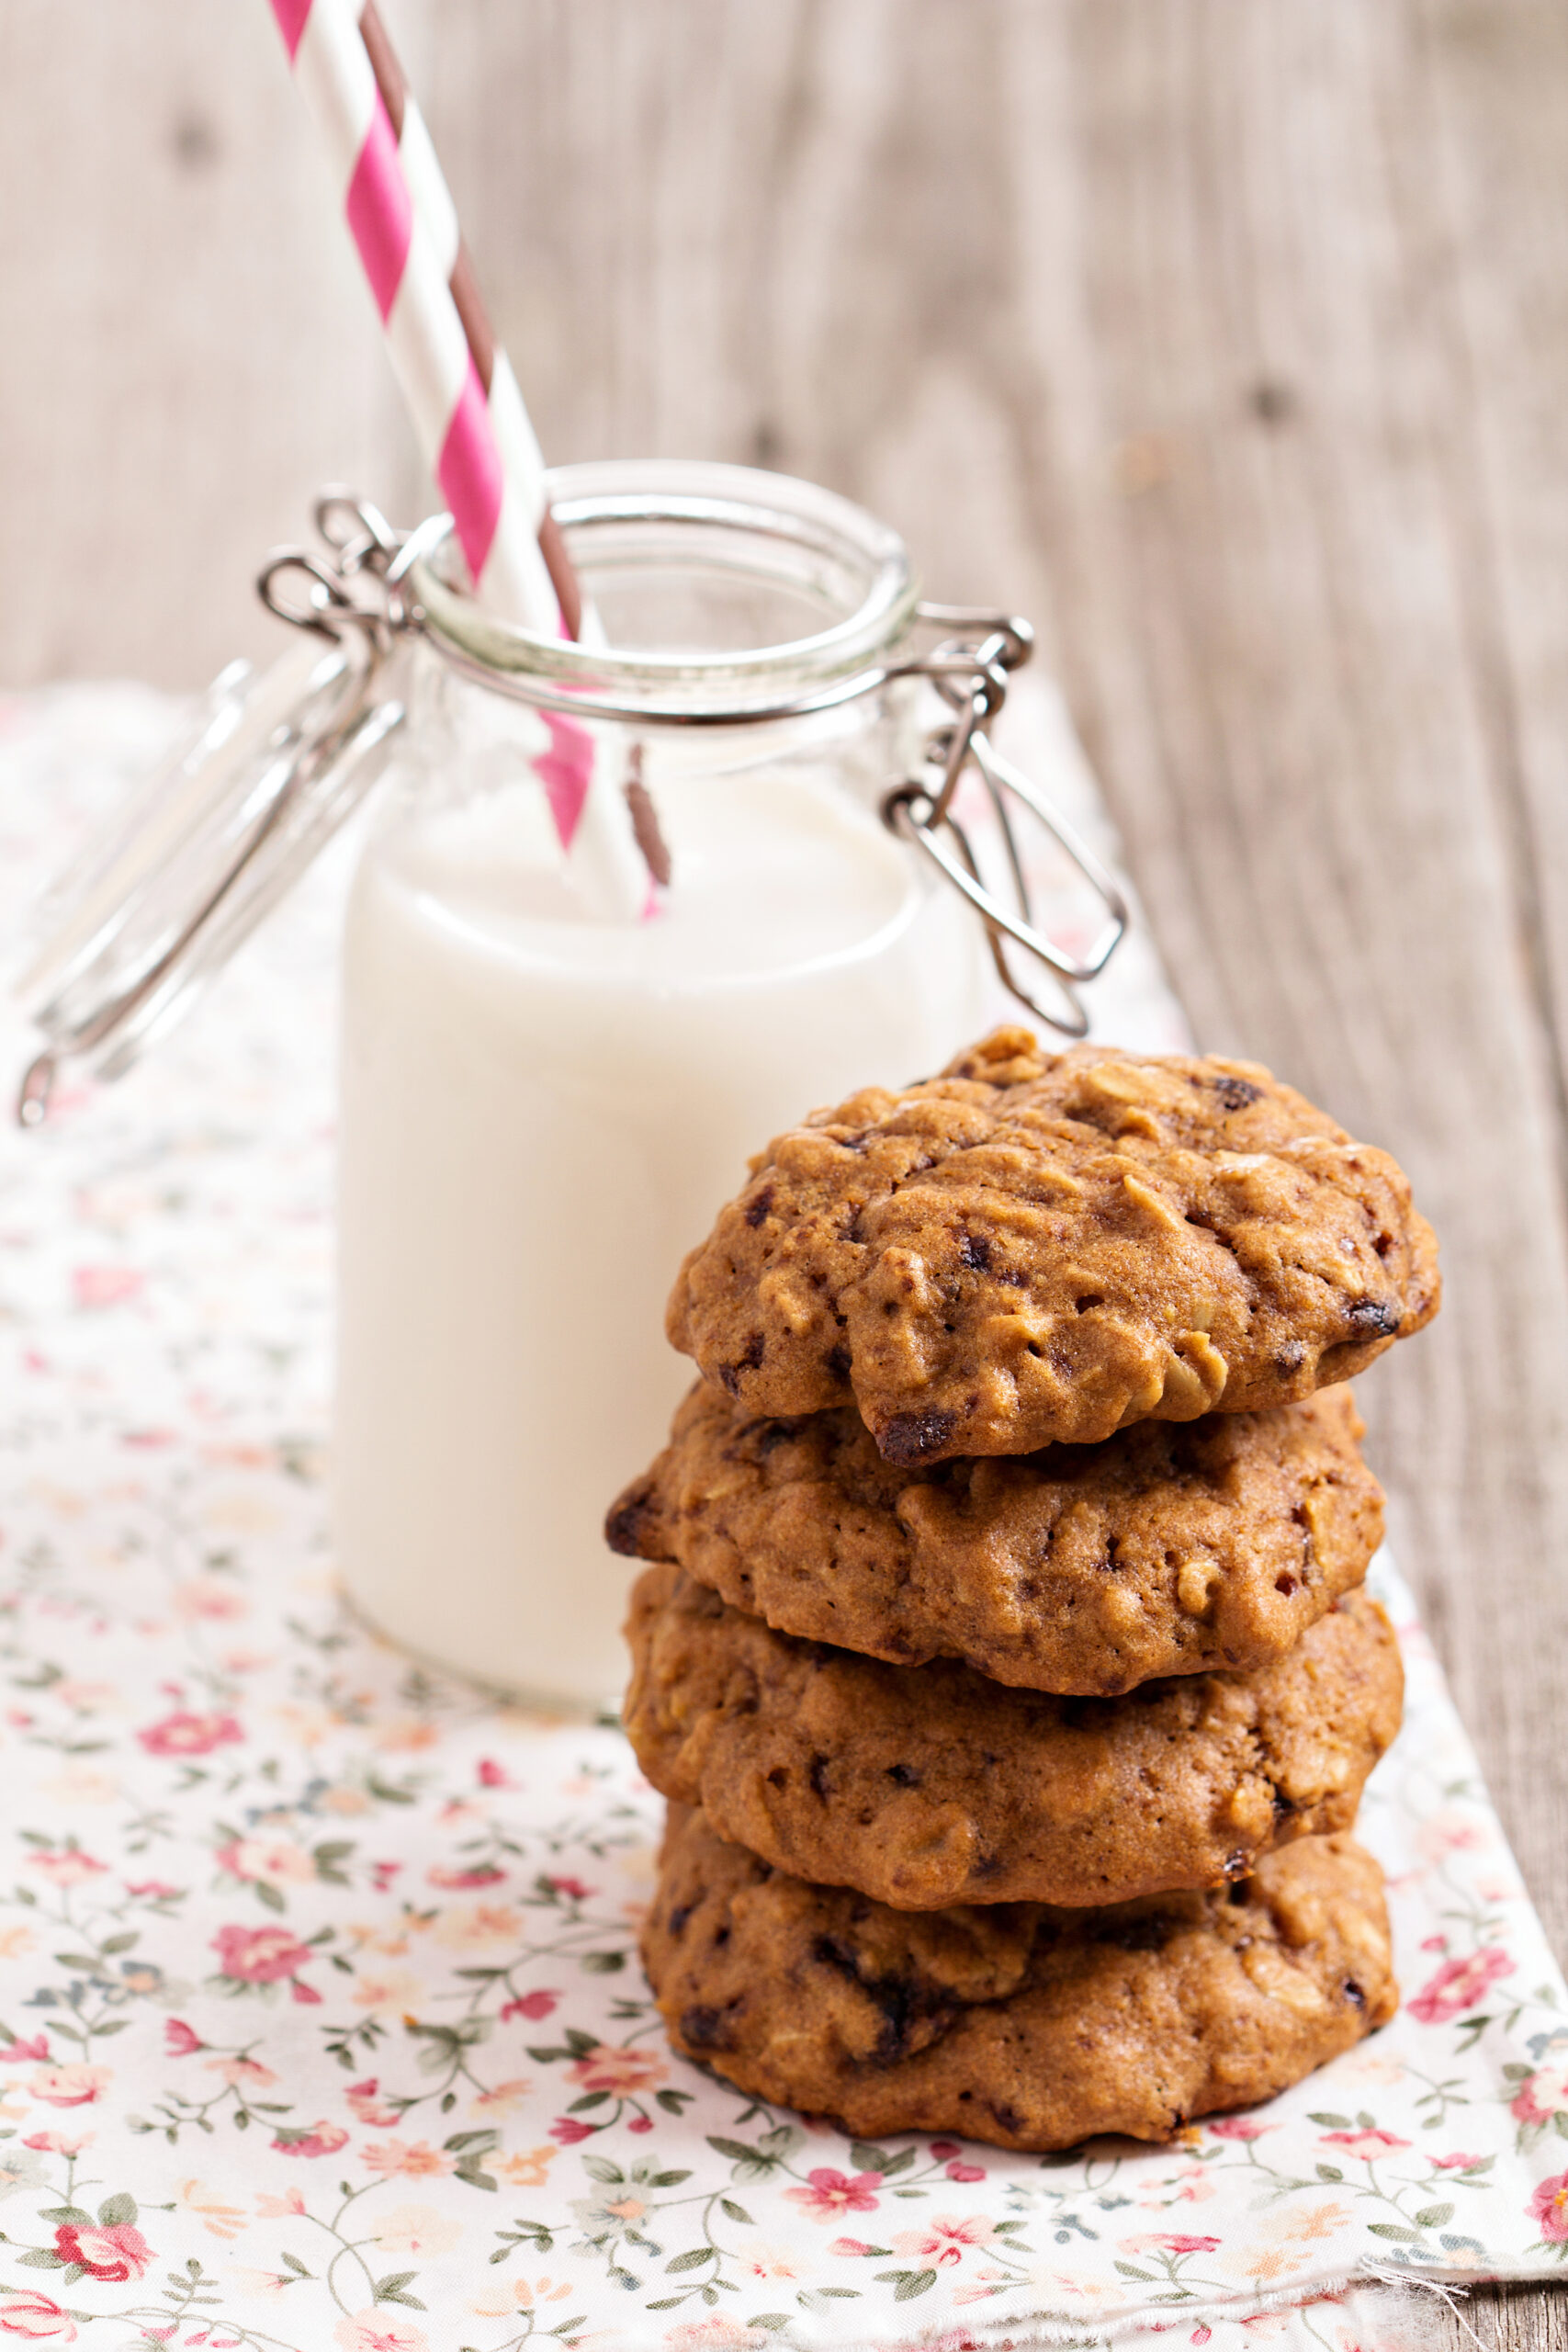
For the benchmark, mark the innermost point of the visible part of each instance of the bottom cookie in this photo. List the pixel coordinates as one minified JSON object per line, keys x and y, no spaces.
{"x":1018,"y":2023}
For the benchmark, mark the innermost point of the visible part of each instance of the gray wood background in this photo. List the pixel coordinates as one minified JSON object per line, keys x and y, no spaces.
{"x":1229,"y":338}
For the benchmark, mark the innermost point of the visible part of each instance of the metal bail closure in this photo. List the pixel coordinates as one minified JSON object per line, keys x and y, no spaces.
{"x":970,"y":672}
{"x":271,"y":766}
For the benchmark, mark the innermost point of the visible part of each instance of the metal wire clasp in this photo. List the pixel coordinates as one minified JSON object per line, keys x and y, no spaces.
{"x":367,"y":548}
{"x":970,"y":670}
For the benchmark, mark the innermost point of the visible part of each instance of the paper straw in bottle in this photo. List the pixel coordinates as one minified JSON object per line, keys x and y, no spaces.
{"x":462,"y":395}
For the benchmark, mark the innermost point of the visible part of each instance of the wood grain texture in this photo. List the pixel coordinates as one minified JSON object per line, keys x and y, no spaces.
{"x":1230,"y":341}
{"x":187,"y":351}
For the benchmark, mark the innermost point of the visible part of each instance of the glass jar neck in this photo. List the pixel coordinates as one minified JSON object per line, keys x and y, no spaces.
{"x":725,"y":593}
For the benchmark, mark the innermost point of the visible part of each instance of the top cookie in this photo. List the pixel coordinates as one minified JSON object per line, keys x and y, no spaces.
{"x":1041,"y":1248}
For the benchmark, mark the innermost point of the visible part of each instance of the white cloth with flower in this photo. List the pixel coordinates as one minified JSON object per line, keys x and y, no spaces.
{"x":320,"y":2022}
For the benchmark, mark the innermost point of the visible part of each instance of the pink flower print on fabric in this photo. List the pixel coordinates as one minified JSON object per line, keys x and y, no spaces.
{"x":68,"y":1866}
{"x":244,"y":2074}
{"x":719,"y":2333}
{"x":268,"y":1861}
{"x":369,"y":2107}
{"x":530,"y":2004}
{"x":320,"y":2139}
{"x":113,"y":2253}
{"x":827,"y":2193}
{"x":69,"y":2086}
{"x":502,"y":2098}
{"x":1459,"y":1985}
{"x":1368,"y":2145}
{"x":1541,"y":2096}
{"x":620,"y":2072}
{"x":99,"y":1286}
{"x":188,"y":1735}
{"x":37,"y":2318}
{"x":1550,"y":2206}
{"x":279,"y":2209}
{"x":58,"y":2143}
{"x":378,"y":2330}
{"x":420,"y":2230}
{"x":415,"y":2160}
{"x":264,"y":1956}
{"x":209,"y":1598}
{"x":945,"y":2239}
{"x":568,"y":2131}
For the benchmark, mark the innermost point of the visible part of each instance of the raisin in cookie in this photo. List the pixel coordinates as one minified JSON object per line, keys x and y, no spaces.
{"x":926,"y":1785}
{"x":1041,"y":1248}
{"x":1172,"y":1548}
{"x":1032,"y":2028}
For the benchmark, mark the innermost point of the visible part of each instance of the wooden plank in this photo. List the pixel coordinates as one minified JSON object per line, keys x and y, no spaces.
{"x":188,"y":353}
{"x":1320,"y":818}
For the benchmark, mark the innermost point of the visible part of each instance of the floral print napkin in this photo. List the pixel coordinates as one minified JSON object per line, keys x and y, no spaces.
{"x":321,"y":2028}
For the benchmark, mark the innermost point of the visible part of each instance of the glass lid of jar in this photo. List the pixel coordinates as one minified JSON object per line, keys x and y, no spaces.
{"x":265,"y":771}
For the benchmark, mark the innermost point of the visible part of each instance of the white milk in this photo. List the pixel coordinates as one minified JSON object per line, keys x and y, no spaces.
{"x":540,"y":1116}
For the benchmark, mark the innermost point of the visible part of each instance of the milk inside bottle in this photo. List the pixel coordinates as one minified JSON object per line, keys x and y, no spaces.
{"x":541,"y":1108}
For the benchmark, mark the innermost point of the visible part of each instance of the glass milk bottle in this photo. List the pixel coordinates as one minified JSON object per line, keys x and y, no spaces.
{"x":542,"y":1109}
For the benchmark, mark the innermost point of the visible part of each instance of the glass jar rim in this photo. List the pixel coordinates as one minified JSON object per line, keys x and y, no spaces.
{"x":816,"y":535}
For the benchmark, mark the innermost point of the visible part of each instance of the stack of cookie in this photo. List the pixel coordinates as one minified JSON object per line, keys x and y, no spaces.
{"x":1006,"y":1661}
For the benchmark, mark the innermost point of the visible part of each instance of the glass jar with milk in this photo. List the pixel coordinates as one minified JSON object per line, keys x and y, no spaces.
{"x":542,"y":1108}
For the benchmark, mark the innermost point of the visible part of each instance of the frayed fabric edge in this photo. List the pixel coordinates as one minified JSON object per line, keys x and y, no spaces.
{"x":1070,"y":2330}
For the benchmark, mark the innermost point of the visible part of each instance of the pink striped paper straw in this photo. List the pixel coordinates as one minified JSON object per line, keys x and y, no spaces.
{"x":521,"y":461}
{"x":461,"y":392}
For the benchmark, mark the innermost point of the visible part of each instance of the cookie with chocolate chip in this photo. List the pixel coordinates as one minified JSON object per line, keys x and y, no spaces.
{"x":1039,"y":1248}
{"x":1031,"y":2027}
{"x":1173,"y":1548}
{"x":926,"y":1786}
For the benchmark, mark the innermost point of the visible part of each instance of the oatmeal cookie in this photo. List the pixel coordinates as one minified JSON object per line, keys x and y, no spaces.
{"x":925,"y":1786}
{"x":1041,"y":1248}
{"x":1031,"y":2027}
{"x":1170,"y":1549}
